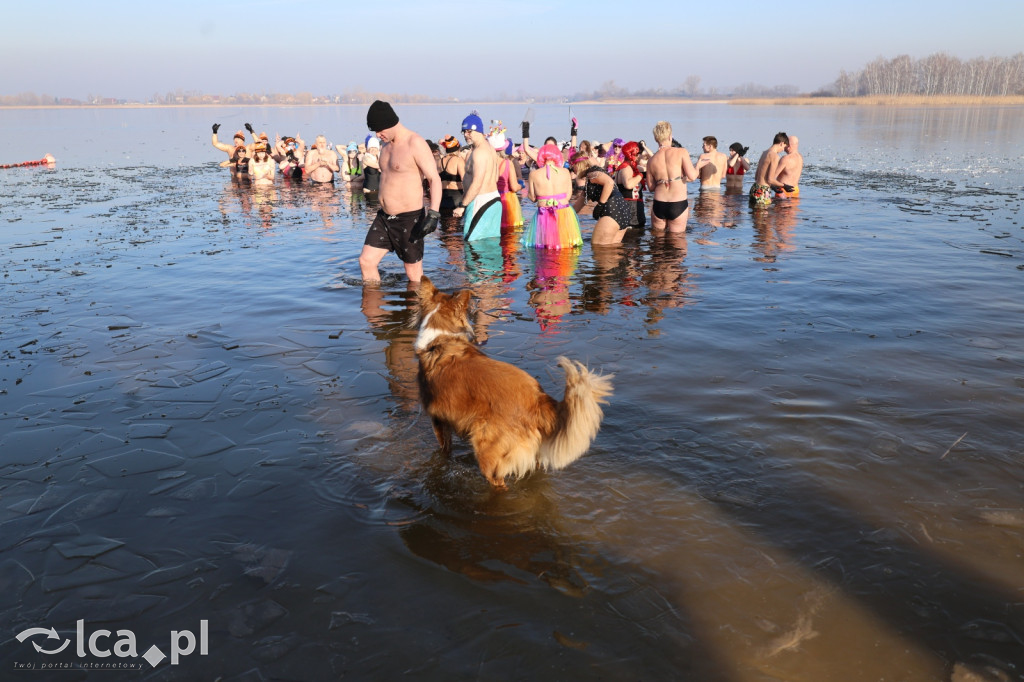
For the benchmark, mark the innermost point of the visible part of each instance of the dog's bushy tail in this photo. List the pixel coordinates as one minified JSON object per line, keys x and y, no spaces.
{"x":579,"y":415}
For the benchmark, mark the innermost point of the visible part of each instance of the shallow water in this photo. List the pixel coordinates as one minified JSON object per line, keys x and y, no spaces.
{"x":810,"y":469}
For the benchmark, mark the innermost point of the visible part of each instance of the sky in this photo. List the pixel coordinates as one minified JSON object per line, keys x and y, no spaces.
{"x":135,"y":49}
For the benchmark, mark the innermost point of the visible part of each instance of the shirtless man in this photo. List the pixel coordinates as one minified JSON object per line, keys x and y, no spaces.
{"x":238,"y":153}
{"x":767,"y":168}
{"x":321,"y":163}
{"x":481,"y":202}
{"x":715,"y":163}
{"x":402,"y":221}
{"x":787,"y":180}
{"x":668,"y":171}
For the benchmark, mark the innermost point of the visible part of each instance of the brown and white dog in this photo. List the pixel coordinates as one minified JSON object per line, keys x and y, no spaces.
{"x":512,"y":424}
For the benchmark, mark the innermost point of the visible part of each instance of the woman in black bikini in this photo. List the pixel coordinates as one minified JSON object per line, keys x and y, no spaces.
{"x":451,"y":167}
{"x":611,"y":212}
{"x":668,"y":171}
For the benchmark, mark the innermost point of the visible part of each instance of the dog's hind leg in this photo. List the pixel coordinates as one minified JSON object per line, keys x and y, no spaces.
{"x":490,"y":456}
{"x":443,"y":432}
{"x":511,"y":453}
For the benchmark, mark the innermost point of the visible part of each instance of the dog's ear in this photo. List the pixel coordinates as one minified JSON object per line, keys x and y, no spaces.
{"x":462,"y":301}
{"x":426,"y":289}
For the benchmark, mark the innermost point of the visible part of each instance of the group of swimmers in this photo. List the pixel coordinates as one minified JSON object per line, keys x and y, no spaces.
{"x":479,"y":182}
{"x":258,"y":161}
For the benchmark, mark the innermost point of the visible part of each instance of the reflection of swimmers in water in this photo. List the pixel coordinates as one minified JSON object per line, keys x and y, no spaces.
{"x":264,"y":197}
{"x":324,"y":201}
{"x":709,"y":208}
{"x":391,"y":326}
{"x":549,"y":289}
{"x":485,"y":271}
{"x":773,"y":230}
{"x":666,"y":276}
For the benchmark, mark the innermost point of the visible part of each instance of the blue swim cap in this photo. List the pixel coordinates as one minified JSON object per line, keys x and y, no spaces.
{"x":473,"y":122}
{"x":351,"y":147}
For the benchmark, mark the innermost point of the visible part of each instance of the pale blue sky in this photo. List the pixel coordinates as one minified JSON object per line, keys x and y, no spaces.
{"x":135,"y":48}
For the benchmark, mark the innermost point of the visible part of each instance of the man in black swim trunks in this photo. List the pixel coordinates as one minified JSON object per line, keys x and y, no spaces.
{"x":402,"y":221}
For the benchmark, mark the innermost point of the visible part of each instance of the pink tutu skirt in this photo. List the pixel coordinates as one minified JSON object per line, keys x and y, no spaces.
{"x":553,"y":228}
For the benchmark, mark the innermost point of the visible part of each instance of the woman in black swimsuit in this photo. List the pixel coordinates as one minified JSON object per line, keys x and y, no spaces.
{"x":611,"y":212}
{"x":371,"y":166}
{"x":668,"y":171}
{"x":630,"y":182}
{"x":451,"y":167}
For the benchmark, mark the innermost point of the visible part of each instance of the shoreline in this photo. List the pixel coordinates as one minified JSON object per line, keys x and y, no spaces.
{"x":864,"y":101}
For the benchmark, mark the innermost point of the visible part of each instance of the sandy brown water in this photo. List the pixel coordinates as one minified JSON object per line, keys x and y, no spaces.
{"x":810,"y":470}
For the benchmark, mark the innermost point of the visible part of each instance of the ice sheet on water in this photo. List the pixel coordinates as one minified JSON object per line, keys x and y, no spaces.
{"x":251,"y":617}
{"x":86,"y":546}
{"x":139,"y":461}
{"x":88,"y":506}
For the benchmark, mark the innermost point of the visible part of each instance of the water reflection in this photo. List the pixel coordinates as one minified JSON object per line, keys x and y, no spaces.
{"x":669,"y":283}
{"x":326,"y":201}
{"x":388,"y":318}
{"x":549,"y":288}
{"x":774,"y":229}
{"x":508,"y":536}
{"x":488,"y":264}
{"x":709,"y":208}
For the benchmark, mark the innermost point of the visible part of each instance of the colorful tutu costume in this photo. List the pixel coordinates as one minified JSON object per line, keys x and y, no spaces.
{"x":555,"y":226}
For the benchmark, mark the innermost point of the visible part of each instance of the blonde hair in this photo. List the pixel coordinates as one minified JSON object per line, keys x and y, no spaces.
{"x":580,"y":165}
{"x":663,"y":132}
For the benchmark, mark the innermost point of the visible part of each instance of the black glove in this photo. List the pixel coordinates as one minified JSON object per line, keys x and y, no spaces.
{"x":525,"y":127}
{"x":216,"y":127}
{"x":248,"y":126}
{"x":572,"y":128}
{"x":788,"y":188}
{"x":426,"y":225}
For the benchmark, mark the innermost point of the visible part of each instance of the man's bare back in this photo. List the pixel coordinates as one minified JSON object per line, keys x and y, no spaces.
{"x":791,"y":166}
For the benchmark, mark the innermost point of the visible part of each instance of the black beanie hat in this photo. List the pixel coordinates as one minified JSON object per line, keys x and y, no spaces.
{"x":381,"y":116}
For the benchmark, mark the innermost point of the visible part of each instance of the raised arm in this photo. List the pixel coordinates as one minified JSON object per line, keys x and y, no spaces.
{"x":217,"y":143}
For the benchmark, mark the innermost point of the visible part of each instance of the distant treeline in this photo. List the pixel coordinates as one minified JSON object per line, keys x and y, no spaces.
{"x":938,"y":74}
